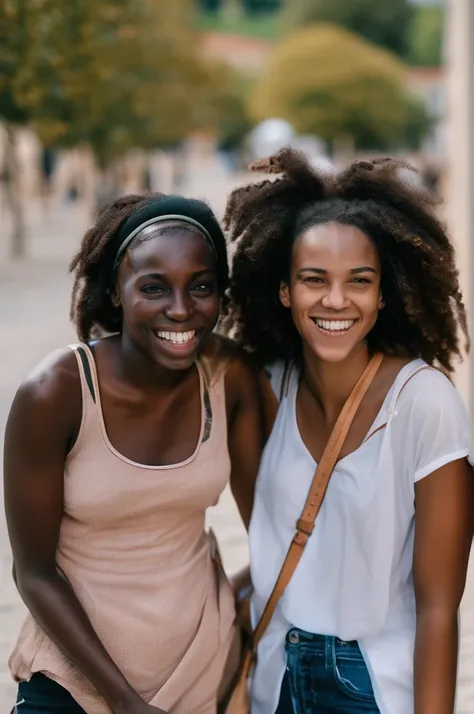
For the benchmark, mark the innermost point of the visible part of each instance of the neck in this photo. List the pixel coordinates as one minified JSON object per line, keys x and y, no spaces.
{"x":135,"y":368}
{"x":331,"y":383}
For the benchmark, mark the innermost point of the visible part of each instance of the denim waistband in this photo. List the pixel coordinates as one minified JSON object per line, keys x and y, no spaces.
{"x":296,"y":636}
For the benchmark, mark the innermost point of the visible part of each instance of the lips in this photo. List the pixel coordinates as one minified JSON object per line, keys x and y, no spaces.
{"x":334,"y":328}
{"x":176,"y":338}
{"x":177,"y":341}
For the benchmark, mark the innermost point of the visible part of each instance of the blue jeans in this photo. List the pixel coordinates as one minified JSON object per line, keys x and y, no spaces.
{"x":44,"y":696}
{"x":325,"y":675}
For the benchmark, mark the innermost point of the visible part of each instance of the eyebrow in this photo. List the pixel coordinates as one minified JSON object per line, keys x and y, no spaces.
{"x":353,"y":271}
{"x":161,"y":276}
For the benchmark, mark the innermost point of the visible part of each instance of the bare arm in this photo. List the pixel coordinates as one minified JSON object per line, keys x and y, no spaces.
{"x":444,"y":523}
{"x":253,"y":413}
{"x":249,"y":426}
{"x":43,"y":420}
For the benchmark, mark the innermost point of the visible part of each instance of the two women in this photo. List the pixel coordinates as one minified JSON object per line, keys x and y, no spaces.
{"x":114,"y":450}
{"x":328,"y":271}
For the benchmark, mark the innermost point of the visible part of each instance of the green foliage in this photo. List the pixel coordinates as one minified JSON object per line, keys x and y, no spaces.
{"x":249,"y":7}
{"x":113,"y":74}
{"x":13,"y":44}
{"x":227,"y":104}
{"x":383,"y":22}
{"x":425,"y":39}
{"x":261,"y":7}
{"x":418,"y":123}
{"x":328,"y":82}
{"x":265,"y":27}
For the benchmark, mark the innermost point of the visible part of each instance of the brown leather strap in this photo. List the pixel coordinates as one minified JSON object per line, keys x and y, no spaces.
{"x":316,"y":493}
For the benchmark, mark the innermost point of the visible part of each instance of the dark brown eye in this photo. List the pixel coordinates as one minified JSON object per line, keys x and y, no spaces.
{"x":152,"y":289}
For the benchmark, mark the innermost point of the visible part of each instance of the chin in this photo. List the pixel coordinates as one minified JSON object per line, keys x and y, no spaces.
{"x":175,"y":364}
{"x":333,"y":353}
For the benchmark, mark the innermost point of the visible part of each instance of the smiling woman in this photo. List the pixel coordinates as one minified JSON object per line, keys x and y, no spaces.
{"x":336,"y":286}
{"x":336,"y":277}
{"x":114,"y":449}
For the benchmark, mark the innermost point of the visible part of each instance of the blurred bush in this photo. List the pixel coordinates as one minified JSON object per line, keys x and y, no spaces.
{"x":330,"y":83}
{"x":384,"y":22}
{"x":425,"y":38}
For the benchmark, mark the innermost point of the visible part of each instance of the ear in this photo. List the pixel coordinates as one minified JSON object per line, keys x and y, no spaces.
{"x":381,"y":302}
{"x":285,"y":295}
{"x":115,"y":296}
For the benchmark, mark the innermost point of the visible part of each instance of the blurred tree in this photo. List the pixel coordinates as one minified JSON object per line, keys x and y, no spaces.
{"x":383,"y":22}
{"x":211,"y":6}
{"x":425,"y":37}
{"x":113,"y":74}
{"x":227,"y":105}
{"x":249,"y":7}
{"x":261,"y":7}
{"x":14,"y":32}
{"x":419,"y":123}
{"x":13,"y":43}
{"x":330,"y":83}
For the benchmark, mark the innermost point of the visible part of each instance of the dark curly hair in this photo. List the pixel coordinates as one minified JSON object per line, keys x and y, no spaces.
{"x":420,"y":286}
{"x":92,"y":311}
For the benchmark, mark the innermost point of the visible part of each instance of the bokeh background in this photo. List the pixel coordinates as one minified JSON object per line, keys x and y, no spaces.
{"x":104,"y":97}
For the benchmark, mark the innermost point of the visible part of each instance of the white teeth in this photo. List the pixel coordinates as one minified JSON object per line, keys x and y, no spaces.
{"x":177,"y":338}
{"x":335,"y":325}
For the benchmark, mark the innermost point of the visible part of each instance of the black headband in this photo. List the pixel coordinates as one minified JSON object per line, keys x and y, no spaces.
{"x":167,"y":208}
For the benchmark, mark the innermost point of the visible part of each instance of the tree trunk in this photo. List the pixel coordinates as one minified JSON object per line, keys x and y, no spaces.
{"x":12,"y":163}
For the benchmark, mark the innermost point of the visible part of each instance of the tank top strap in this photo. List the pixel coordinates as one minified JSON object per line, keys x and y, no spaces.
{"x":90,"y":419}
{"x":212,"y":378}
{"x":87,"y":369}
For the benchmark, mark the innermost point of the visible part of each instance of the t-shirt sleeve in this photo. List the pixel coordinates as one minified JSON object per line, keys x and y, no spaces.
{"x":436,"y":422}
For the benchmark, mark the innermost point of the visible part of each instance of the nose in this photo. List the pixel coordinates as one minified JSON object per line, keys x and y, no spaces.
{"x":180,"y":307}
{"x":335,"y":298}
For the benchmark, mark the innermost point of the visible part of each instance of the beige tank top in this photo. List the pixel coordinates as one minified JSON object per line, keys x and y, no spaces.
{"x":134,"y":548}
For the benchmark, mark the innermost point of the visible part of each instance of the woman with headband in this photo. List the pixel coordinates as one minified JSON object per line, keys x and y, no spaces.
{"x":114,"y":449}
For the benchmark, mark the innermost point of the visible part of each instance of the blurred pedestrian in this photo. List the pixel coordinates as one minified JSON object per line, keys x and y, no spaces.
{"x":48,"y":161}
{"x":114,"y":450}
{"x":343,"y":283}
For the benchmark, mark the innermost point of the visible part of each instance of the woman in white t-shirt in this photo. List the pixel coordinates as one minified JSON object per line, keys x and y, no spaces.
{"x":328,"y":270}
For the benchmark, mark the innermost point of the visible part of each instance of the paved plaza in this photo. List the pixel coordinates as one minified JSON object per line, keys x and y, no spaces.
{"x":34,"y":304}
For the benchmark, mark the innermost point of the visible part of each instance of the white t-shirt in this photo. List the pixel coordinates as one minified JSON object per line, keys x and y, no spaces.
{"x":354,"y":580}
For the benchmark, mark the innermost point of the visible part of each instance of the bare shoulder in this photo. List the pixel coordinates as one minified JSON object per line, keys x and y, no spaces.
{"x":52,"y":390}
{"x":388,"y":373}
{"x":392,"y":366}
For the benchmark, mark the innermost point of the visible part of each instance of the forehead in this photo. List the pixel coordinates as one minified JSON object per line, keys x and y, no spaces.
{"x":166,"y":250}
{"x":335,"y":245}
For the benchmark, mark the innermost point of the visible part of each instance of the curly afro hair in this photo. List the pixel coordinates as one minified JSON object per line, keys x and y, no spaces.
{"x":420,"y":285}
{"x":92,"y":311}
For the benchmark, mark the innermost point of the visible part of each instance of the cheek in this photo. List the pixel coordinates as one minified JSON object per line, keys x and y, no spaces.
{"x":210,"y":307}
{"x":137,"y":309}
{"x":369,"y":302}
{"x":303,"y":299}
{"x":212,"y":303}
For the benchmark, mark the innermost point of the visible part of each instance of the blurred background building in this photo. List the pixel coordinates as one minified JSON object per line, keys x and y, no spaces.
{"x":116,"y":96}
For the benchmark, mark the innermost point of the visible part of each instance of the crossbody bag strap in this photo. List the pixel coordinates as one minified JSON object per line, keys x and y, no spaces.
{"x":323,"y":472}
